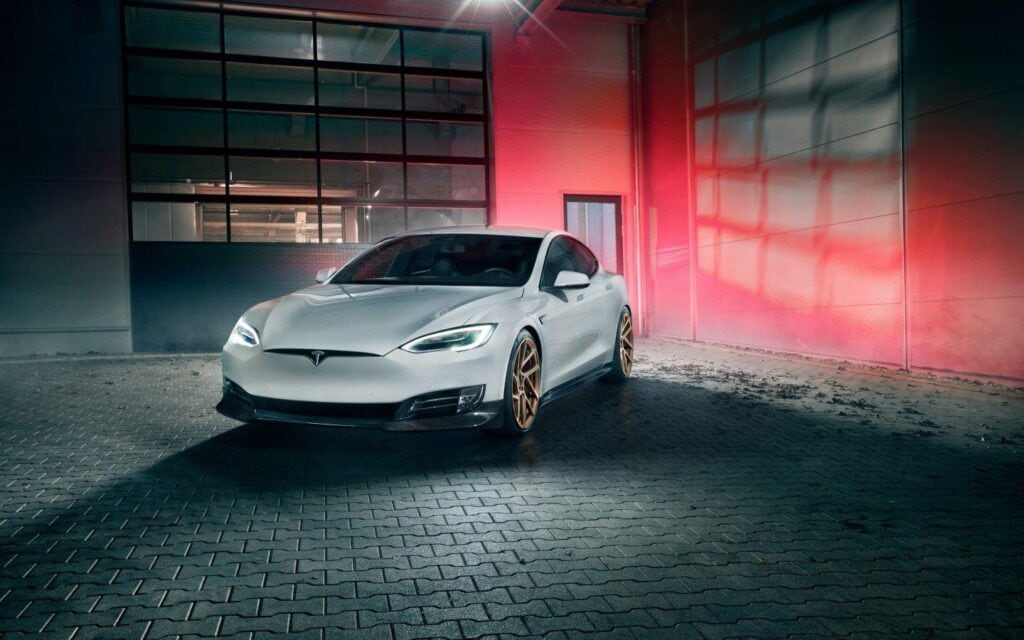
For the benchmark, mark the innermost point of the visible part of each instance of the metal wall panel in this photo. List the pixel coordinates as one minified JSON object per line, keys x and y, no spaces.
{"x":186,"y":296}
{"x":964,"y":65}
{"x":561,"y":118}
{"x":63,"y":257}
{"x":859,"y":168}
{"x":797,"y":187}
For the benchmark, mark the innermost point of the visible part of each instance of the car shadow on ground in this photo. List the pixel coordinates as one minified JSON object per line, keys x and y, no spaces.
{"x":604,"y":425}
{"x":647,"y":426}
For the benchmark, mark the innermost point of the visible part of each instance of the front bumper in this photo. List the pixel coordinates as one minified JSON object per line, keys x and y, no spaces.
{"x":389,"y":378}
{"x":432,"y":411}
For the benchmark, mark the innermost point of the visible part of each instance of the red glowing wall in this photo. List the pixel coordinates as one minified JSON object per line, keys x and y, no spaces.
{"x":964,"y":79}
{"x":797,"y":183}
{"x":857,"y":176}
{"x":561,"y":122}
{"x":666,"y":188}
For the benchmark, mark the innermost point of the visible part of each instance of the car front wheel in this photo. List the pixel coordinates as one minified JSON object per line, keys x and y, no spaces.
{"x":522,"y":387}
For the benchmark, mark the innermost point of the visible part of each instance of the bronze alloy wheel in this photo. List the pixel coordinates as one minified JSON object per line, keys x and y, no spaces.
{"x":526,"y":384}
{"x":626,"y":343}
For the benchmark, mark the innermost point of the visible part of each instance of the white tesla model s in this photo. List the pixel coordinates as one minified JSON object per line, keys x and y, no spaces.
{"x":446,"y":328}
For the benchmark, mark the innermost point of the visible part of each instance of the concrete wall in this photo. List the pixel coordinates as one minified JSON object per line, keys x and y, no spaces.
{"x":817,"y":126}
{"x":64,"y":246}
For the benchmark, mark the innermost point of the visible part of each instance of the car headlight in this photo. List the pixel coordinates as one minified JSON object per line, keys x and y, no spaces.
{"x":459,"y":339}
{"x":244,"y":334}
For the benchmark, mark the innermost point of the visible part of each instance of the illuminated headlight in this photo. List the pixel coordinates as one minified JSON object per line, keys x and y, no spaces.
{"x":459,"y":339}
{"x":243,"y":334}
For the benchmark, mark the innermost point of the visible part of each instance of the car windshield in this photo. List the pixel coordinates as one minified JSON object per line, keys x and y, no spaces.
{"x":452,"y":259}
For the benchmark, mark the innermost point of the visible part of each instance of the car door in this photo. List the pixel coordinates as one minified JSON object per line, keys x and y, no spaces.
{"x":602,"y":302}
{"x":570,"y":318}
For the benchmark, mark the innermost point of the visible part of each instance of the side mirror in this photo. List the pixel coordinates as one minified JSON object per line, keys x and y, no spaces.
{"x":324,"y":275}
{"x":572,"y":280}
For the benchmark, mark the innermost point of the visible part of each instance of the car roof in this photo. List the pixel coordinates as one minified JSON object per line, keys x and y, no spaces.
{"x":487,"y":230}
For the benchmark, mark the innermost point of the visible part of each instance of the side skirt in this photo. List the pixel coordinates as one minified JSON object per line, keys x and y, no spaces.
{"x":566,"y":388}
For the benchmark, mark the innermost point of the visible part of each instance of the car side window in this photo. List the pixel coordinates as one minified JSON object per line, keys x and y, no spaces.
{"x":583,"y":258}
{"x":559,"y":258}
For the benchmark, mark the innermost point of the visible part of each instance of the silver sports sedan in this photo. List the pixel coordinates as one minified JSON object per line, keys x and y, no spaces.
{"x":454,"y":327}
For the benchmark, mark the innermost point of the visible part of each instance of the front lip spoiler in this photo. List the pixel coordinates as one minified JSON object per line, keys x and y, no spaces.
{"x":237,"y":408}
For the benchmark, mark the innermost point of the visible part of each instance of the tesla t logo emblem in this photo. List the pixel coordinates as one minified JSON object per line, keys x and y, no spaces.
{"x":316,"y":357}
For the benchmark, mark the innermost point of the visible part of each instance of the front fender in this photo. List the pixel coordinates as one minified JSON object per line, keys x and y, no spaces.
{"x":511,"y":316}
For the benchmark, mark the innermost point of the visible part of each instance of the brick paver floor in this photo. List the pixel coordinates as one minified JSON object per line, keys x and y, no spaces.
{"x":717,"y":494}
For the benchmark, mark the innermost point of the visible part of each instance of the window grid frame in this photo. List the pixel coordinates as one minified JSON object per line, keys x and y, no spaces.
{"x":226,"y":106}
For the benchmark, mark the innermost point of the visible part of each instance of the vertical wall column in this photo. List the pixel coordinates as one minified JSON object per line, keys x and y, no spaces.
{"x":64,"y":249}
{"x":666,"y":186}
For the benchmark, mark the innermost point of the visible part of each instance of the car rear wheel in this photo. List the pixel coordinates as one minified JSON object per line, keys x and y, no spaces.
{"x":522,"y":387}
{"x":622,"y":358}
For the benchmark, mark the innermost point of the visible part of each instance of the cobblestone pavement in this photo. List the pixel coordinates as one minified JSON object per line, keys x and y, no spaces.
{"x":717,"y":494}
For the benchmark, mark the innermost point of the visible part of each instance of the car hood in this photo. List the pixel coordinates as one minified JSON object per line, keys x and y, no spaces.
{"x":372,"y":318}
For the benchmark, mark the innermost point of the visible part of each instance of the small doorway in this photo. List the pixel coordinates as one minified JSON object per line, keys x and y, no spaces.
{"x":596,"y":220}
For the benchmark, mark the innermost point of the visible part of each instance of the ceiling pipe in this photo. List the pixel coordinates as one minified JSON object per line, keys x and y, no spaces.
{"x":626,"y":12}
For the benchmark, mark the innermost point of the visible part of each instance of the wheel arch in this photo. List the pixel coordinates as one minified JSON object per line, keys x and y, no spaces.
{"x":536,"y":338}
{"x":527,"y":326}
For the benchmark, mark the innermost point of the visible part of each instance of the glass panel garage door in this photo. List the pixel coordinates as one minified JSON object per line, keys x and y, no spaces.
{"x":249,"y":127}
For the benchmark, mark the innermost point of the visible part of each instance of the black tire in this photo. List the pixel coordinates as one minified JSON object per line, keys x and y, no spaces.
{"x":619,"y":371}
{"x":507,"y":423}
